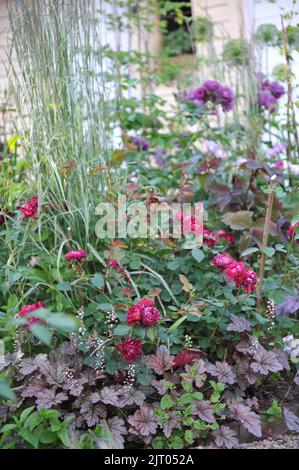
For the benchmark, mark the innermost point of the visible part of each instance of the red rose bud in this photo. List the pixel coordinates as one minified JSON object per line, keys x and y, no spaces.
{"x":130,"y":349}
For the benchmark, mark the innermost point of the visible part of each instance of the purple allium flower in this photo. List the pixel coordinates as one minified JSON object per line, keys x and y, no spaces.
{"x":141,"y":143}
{"x":268,"y":101}
{"x":276,"y":89}
{"x":269,"y":93}
{"x":215,"y":149}
{"x":214,"y":92}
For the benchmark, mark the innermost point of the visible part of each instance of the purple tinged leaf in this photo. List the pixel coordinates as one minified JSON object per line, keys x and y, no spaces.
{"x":144,"y":421}
{"x":92,"y":413}
{"x":160,"y":386}
{"x":33,"y":388}
{"x":173,"y":422}
{"x":162,"y":361}
{"x":117,"y":428}
{"x":243,"y":368}
{"x":282,"y":357}
{"x":223,"y":371}
{"x":239,"y":324}
{"x":289,"y":306}
{"x":27,"y":366}
{"x":296,"y":379}
{"x":265,"y":362}
{"x":225,"y":437}
{"x":247,"y":418}
{"x":204,"y":410}
{"x":109,"y":396}
{"x":292,"y":421}
{"x":131,"y":397}
{"x":54,"y":372}
{"x":48,"y":398}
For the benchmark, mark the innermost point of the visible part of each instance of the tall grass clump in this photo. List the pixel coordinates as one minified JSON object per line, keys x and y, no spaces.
{"x":66,"y":106}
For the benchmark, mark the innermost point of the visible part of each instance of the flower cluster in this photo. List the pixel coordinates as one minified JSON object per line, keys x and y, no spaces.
{"x":29,"y":309}
{"x":226,"y":236}
{"x":140,"y":143}
{"x":30,"y":208}
{"x":236,"y":271}
{"x":269,"y":94}
{"x":189,"y":223}
{"x":212,"y":91}
{"x":75,"y":255}
{"x":130,"y":349}
{"x":143,"y":313}
{"x":210,"y":238}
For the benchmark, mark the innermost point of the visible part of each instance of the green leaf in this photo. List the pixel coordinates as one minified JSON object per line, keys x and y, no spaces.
{"x":64,"y":286}
{"x":62,"y":321}
{"x":166,"y":402}
{"x":29,"y":437}
{"x":25,"y":413}
{"x":238,"y":220}
{"x":249,"y":251}
{"x":189,"y":436}
{"x":187,"y":386}
{"x":121,"y":330}
{"x":198,"y":254}
{"x":269,"y":251}
{"x":42,"y":333}
{"x":6,"y":391}
{"x":98,"y":280}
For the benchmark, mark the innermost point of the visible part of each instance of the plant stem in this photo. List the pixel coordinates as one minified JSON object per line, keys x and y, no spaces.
{"x":265,"y":238}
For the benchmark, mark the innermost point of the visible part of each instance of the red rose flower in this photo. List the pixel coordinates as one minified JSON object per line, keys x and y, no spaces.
{"x":223,"y":260}
{"x":134,"y":315}
{"x":113,"y":264}
{"x":30,"y":208}
{"x":209,"y":238}
{"x":28,"y":309}
{"x":143,"y":313}
{"x":130,"y":349}
{"x":226,"y":235}
{"x":249,"y":280}
{"x":150,"y":316}
{"x":77,"y":255}
{"x":234,"y":272}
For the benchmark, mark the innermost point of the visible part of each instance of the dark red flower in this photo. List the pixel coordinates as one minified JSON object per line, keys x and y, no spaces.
{"x":30,"y":208}
{"x":150,"y":316}
{"x":130,"y":349}
{"x":291,"y":230}
{"x":143,"y":313}
{"x":77,"y":255}
{"x":134,"y":315}
{"x":28,"y":309}
{"x":223,"y":260}
{"x":209,"y":238}
{"x":113,"y":264}
{"x":234,"y":272}
{"x":249,"y":280}
{"x":226,"y":236}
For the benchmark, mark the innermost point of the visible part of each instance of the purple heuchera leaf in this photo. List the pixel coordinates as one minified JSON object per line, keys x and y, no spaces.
{"x":116,"y":426}
{"x":93,"y":412}
{"x":48,"y":398}
{"x":296,"y":379}
{"x":239,"y":324}
{"x":33,"y":388}
{"x":223,"y":371}
{"x":131,"y":397}
{"x":162,"y":361}
{"x":282,"y":357}
{"x":54,"y":372}
{"x":289,"y":306}
{"x":244,"y":369}
{"x":247,"y":418}
{"x":225,"y":437}
{"x":265,"y":362}
{"x":292,"y":421}
{"x":144,"y":421}
{"x":204,"y":410}
{"x":173,"y":422}
{"x":110,"y":396}
{"x":27,"y":366}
